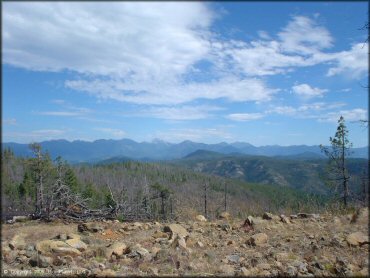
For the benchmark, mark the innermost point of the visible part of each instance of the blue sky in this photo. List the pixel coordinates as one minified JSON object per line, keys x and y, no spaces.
{"x":264,"y":73}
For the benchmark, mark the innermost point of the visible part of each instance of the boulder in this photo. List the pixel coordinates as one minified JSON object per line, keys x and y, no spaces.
{"x":17,"y":242}
{"x":233,"y":258}
{"x":56,"y":247}
{"x":308,"y":215}
{"x":180,"y":242}
{"x":284,"y":219}
{"x":175,"y":229}
{"x":267,"y":216}
{"x":90,"y":227}
{"x":117,"y":248}
{"x":357,"y":238}
{"x":258,"y":239}
{"x":77,"y":243}
{"x":245,"y":272}
{"x":21,"y":218}
{"x":73,"y":236}
{"x":159,"y":234}
{"x":61,"y":237}
{"x":40,"y":261}
{"x":138,"y":251}
{"x":200,"y":218}
{"x":224,"y":215}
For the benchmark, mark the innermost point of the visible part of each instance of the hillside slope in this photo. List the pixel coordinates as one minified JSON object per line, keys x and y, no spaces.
{"x":304,"y":174}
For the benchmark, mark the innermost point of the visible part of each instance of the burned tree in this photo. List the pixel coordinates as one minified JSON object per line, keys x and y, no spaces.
{"x":205,"y":196}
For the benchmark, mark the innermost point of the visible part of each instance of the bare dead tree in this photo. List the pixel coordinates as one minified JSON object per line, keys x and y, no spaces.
{"x":225,"y":195}
{"x":205,"y":196}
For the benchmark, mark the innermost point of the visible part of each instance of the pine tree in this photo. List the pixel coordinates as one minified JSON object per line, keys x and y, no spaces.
{"x":337,"y":154}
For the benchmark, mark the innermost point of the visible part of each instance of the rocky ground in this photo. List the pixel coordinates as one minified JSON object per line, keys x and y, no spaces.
{"x":269,"y":245}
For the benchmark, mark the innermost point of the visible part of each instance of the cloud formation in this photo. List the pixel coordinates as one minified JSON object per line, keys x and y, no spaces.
{"x":306,"y":91}
{"x":244,"y":117}
{"x":146,"y":53}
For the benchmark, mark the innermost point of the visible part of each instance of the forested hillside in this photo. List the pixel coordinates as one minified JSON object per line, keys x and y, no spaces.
{"x":309,"y":175}
{"x":165,"y":190}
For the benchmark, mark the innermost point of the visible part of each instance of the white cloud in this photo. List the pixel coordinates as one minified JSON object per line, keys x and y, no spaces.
{"x":306,"y":91}
{"x":146,"y":53}
{"x":282,"y":110}
{"x":354,"y":62}
{"x":244,"y":117}
{"x":137,"y":40}
{"x":117,"y":133}
{"x":348,"y":115}
{"x":69,"y":110}
{"x":233,"y":89}
{"x":304,"y":35}
{"x":180,"y":113}
{"x":262,"y":58}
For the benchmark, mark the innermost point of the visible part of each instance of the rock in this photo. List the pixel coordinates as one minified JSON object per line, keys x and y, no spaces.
{"x":138,"y":251}
{"x":245,"y":272}
{"x":200,"y":244}
{"x":233,"y":258}
{"x":258,"y":239}
{"x":58,"y":247}
{"x":73,"y":236}
{"x":357,"y":238}
{"x":40,"y":261}
{"x":250,"y":220}
{"x":361,"y":216}
{"x":225,"y":227}
{"x":308,"y":215}
{"x":175,"y":229}
{"x":117,"y":248}
{"x":20,"y":218}
{"x":224,"y":215}
{"x":90,"y":227}
{"x":200,"y":218}
{"x":284,"y":219}
{"x":180,"y":242}
{"x":17,"y":242}
{"x":62,"y":237}
{"x":291,"y":271}
{"x":159,"y":234}
{"x":267,"y":216}
{"x":77,"y":243}
{"x":226,"y":269}
{"x":9,"y":257}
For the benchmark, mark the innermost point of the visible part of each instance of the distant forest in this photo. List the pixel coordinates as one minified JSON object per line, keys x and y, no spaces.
{"x":149,"y":190}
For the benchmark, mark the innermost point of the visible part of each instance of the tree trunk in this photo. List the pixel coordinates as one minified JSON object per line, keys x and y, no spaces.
{"x":205,"y":201}
{"x":345,"y":186}
{"x":225,"y":191}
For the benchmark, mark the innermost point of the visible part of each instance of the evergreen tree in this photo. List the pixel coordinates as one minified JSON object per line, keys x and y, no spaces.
{"x":337,"y":154}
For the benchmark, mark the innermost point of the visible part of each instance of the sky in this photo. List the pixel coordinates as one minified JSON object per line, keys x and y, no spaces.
{"x":266,"y":73}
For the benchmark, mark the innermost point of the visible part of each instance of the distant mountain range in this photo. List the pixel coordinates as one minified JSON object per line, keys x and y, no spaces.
{"x":126,"y":149}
